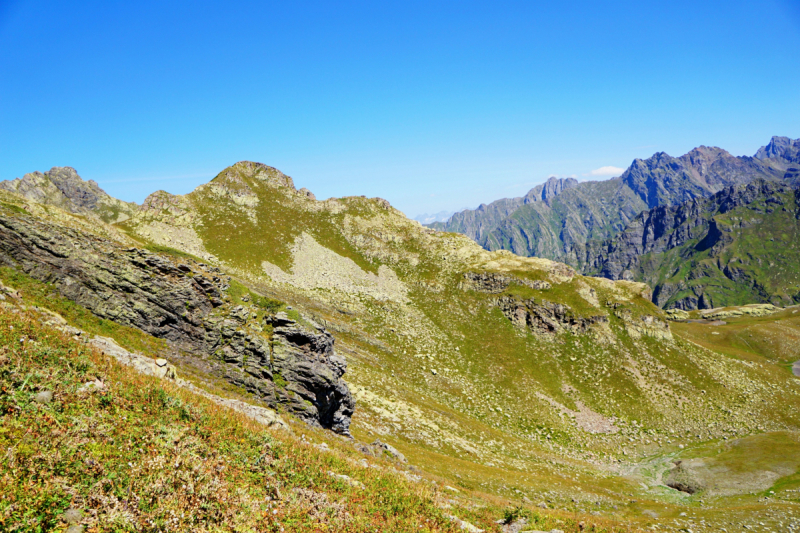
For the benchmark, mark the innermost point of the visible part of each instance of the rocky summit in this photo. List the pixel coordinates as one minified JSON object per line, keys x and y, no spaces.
{"x":477,"y":376}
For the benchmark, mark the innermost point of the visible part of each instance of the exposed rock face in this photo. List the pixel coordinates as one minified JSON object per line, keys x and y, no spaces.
{"x":306,"y":360}
{"x":645,"y":325}
{"x":664,"y":241}
{"x":62,"y":187}
{"x":481,"y":222}
{"x":681,"y":478}
{"x":185,"y":303}
{"x":781,"y":148}
{"x":494,"y":283}
{"x":663,"y":180}
{"x":555,"y":220}
{"x":546,"y":318}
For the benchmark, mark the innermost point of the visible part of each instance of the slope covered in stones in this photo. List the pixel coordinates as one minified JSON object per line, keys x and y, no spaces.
{"x":504,"y":374}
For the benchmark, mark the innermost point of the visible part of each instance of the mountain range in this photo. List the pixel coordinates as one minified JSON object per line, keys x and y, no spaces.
{"x":736,"y":247}
{"x":476,"y":376}
{"x":572,"y":217}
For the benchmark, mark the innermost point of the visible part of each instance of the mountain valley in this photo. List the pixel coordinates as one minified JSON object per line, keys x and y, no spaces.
{"x":514,"y":388}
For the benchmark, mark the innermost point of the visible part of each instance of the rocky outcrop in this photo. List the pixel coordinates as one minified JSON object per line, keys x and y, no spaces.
{"x":681,"y":478}
{"x":293,"y":368}
{"x":546,"y":318}
{"x":745,"y":310}
{"x":494,"y":283}
{"x":63,"y":187}
{"x":645,"y":325}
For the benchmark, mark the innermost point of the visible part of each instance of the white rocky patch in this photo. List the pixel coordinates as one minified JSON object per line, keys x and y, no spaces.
{"x":584,"y":418}
{"x":317,"y":267}
{"x":180,"y":237}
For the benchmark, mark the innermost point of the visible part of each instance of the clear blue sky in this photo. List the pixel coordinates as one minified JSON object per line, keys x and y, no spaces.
{"x":431,"y":105}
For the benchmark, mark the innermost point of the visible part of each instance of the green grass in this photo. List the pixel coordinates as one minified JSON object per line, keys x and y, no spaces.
{"x":45,"y":295}
{"x":160,"y":249}
{"x":147,"y":456}
{"x":13,"y":208}
{"x":143,"y":455}
{"x":237,"y":291}
{"x":773,"y":337}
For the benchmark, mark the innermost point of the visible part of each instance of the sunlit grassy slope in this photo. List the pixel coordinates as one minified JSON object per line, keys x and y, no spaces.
{"x":584,"y":423}
{"x":140,"y":454}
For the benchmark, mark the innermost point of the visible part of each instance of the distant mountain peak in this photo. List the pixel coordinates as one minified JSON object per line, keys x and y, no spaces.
{"x":429,"y":218}
{"x":782,"y":148}
{"x":561,"y":214}
{"x":64,"y":188}
{"x":553,"y":187}
{"x":252,"y":169}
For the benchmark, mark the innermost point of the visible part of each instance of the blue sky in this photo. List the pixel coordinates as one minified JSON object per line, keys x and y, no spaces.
{"x":431,"y":105}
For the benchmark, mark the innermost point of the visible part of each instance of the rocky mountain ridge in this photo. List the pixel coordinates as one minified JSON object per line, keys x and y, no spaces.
{"x":599,"y":210}
{"x":62,"y":187}
{"x":711,"y":252}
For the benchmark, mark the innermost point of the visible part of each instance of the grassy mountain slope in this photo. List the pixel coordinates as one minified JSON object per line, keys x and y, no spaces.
{"x":139,"y":454}
{"x":502,"y":374}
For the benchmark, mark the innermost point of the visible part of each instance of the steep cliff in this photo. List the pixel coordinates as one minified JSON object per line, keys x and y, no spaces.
{"x":738,"y":246}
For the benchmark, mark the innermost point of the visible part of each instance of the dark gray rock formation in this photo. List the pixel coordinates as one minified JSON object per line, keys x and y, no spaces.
{"x":293,"y":368}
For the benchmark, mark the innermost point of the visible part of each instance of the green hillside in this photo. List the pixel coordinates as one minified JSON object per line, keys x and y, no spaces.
{"x":496,"y":374}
